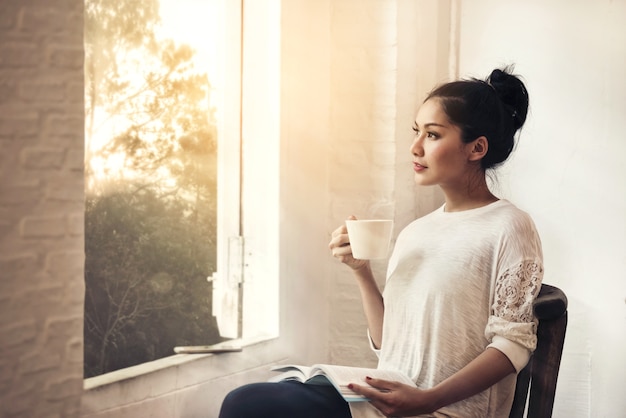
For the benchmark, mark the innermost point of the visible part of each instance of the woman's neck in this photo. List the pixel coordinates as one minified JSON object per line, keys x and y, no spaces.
{"x":472,"y":195}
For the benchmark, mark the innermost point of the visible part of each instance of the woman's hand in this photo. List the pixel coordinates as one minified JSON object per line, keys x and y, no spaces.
{"x":340,"y":247}
{"x":398,"y":400}
{"x":371,"y":296}
{"x":395,"y":399}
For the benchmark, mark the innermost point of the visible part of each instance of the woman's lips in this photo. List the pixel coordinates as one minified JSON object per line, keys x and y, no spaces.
{"x":417,"y":167}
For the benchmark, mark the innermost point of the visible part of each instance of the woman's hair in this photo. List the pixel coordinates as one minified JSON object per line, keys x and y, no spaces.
{"x":495,"y":108}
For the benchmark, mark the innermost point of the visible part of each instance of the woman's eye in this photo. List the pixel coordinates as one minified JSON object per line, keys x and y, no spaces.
{"x":432,"y":135}
{"x":417,"y":131}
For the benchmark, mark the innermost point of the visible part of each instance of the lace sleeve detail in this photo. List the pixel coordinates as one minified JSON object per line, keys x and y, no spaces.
{"x":512,"y":326}
{"x":515,"y":291}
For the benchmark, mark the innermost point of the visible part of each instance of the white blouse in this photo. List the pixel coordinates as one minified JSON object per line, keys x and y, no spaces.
{"x":457,"y":283}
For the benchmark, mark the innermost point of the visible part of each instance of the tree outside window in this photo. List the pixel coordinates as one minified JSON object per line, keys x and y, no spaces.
{"x":151,"y":176}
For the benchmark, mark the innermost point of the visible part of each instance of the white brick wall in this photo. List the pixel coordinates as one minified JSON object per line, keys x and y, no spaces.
{"x":41,"y":208}
{"x":362,"y":127}
{"x":385,"y":56}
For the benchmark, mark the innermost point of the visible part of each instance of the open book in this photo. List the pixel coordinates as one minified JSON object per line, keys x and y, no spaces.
{"x":338,"y":376}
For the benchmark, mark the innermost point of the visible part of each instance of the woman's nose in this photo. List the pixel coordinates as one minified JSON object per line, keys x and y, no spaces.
{"x":416,"y":147}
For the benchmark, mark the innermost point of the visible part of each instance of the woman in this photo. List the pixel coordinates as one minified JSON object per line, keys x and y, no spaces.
{"x":456,"y":311}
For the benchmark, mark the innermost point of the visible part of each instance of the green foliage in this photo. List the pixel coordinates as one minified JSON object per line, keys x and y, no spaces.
{"x":150,"y":224}
{"x":146,"y":288}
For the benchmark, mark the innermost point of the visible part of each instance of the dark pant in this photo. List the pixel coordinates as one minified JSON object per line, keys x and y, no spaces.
{"x":286,"y":399}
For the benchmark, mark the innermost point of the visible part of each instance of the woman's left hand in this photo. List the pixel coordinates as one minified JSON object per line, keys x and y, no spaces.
{"x":395,"y":399}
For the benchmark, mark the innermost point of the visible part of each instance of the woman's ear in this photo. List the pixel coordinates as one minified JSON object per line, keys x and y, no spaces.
{"x":478,"y":148}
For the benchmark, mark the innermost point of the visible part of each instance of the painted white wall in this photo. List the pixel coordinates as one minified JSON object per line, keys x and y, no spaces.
{"x":569,"y":171}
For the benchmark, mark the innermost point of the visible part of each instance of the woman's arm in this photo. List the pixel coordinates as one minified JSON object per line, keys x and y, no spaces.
{"x":371,"y":296}
{"x":396,"y":399}
{"x":484,"y":371}
{"x":372,"y":300}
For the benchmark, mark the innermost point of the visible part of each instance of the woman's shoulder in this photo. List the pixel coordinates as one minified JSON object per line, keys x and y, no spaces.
{"x":501,"y":210}
{"x":512,"y":215}
{"x":501,"y":214}
{"x":518,"y":231}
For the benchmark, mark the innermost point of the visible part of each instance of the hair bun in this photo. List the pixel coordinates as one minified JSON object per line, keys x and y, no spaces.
{"x":512,"y":92}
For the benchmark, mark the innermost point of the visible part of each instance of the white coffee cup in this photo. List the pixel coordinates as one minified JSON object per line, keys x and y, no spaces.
{"x":369,"y":238}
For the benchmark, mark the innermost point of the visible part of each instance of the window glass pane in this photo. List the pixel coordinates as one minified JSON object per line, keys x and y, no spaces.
{"x":152,"y":118}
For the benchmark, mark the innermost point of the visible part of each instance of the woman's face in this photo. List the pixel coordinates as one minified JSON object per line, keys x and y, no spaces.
{"x":439,"y":155}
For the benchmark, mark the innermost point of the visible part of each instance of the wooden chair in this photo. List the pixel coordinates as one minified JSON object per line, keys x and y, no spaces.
{"x":541,"y":372}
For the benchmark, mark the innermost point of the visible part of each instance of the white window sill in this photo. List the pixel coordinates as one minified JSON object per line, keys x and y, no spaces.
{"x":163,"y":377}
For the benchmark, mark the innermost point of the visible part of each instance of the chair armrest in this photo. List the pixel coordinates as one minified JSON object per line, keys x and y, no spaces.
{"x":551,"y":303}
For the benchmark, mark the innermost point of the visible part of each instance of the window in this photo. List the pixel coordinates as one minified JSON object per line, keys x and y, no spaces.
{"x":180,"y":243}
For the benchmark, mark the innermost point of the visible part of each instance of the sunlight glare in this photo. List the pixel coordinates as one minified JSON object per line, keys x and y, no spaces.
{"x":192,"y":22}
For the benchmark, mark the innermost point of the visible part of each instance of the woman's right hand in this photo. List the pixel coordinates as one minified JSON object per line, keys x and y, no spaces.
{"x":340,"y":247}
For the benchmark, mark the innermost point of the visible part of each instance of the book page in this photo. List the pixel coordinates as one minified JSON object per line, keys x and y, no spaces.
{"x":339,"y":376}
{"x":347,"y":374}
{"x":342,"y":376}
{"x":290,"y":372}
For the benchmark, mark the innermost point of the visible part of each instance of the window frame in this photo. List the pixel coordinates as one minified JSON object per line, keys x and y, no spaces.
{"x":301,"y":202}
{"x":246,"y":287}
{"x":254,"y":271}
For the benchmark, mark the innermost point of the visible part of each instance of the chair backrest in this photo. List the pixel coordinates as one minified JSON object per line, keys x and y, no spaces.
{"x":542,"y":370}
